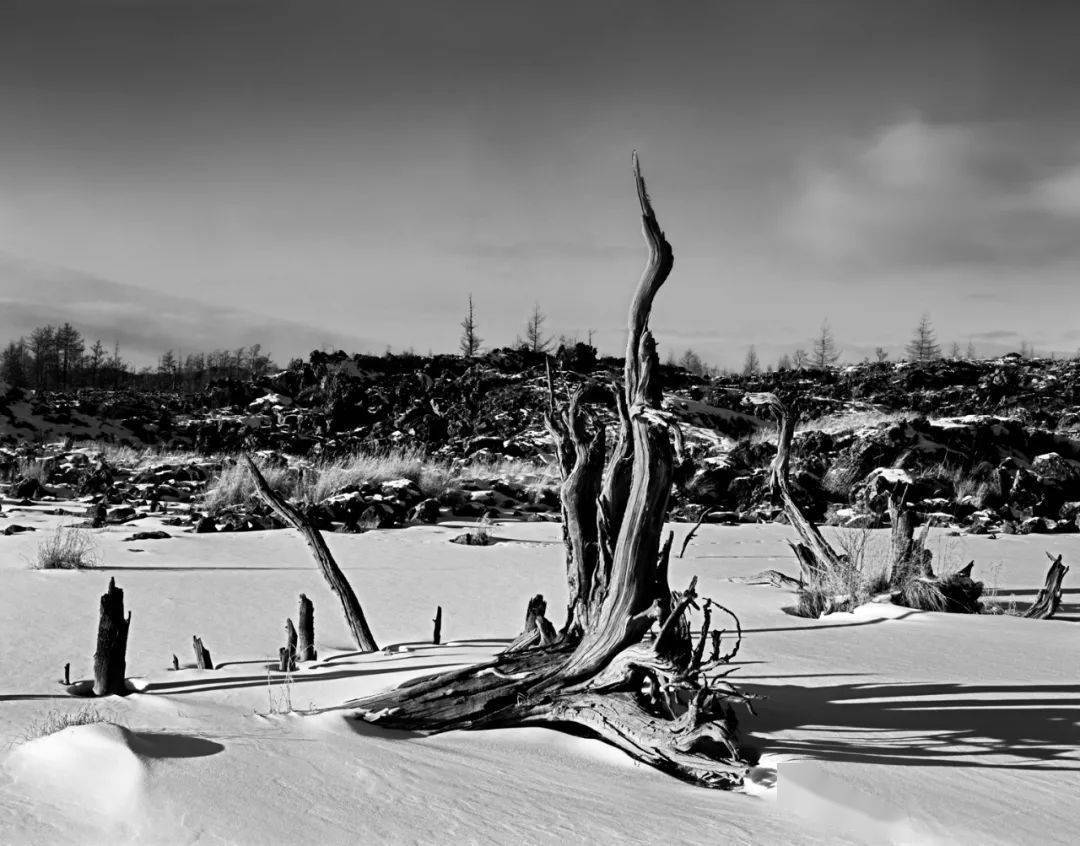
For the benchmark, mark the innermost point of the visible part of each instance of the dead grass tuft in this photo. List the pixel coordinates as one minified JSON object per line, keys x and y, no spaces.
{"x":67,"y":548}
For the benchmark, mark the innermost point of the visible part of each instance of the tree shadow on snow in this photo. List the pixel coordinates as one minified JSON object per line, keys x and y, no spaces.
{"x":210,"y":683}
{"x":152,"y":744}
{"x":1025,"y":598}
{"x":900,"y":724}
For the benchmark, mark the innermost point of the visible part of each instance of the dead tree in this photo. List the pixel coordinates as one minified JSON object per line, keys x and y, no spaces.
{"x":354,"y":614}
{"x":607,"y":670}
{"x":815,"y":555}
{"x":912,"y":580}
{"x":110,"y":658}
{"x":436,"y":634}
{"x":202,"y":654}
{"x":305,"y":648}
{"x":1049,"y":598}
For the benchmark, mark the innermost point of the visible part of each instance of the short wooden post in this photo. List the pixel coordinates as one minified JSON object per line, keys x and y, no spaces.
{"x":436,"y":636}
{"x":175,"y":662}
{"x":67,"y":673}
{"x":305,"y":650}
{"x":202,"y":654}
{"x":110,"y":659}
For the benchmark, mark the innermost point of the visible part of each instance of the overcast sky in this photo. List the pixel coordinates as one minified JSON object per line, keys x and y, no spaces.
{"x":363,"y":167}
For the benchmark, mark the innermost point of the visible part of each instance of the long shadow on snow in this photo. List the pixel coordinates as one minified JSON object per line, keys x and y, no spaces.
{"x":1040,"y":731}
{"x":189,"y":568}
{"x":814,"y":625}
{"x":211,"y":684}
{"x":1067,"y":611}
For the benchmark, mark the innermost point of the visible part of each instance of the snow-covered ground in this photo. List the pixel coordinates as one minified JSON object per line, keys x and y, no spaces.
{"x":884,"y":726}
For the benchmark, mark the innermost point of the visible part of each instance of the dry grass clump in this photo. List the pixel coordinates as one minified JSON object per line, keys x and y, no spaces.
{"x":860,"y":575}
{"x":324,"y":478}
{"x":864,"y":572}
{"x":66,"y":548}
{"x":56,"y":720}
{"x":234,"y":486}
{"x":32,"y":468}
{"x":328,"y":477}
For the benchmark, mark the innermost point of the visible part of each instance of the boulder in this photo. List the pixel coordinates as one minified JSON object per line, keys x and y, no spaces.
{"x":427,"y":511}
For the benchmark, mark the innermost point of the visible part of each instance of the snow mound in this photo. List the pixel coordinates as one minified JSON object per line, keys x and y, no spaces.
{"x":96,"y":778}
{"x":92,"y":770}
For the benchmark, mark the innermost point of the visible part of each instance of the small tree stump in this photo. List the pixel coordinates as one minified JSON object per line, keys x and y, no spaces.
{"x":286,"y":659}
{"x":67,"y":674}
{"x":306,"y":641}
{"x":175,"y":662}
{"x":1049,"y":598}
{"x":290,"y":635}
{"x":110,"y":659}
{"x":436,"y":636}
{"x":202,"y":654}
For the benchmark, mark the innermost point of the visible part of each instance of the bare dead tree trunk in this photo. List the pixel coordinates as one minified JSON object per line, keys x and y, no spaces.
{"x":306,"y":642}
{"x":909,"y":556}
{"x":110,"y":658}
{"x":354,"y":614}
{"x":436,"y":634}
{"x":648,"y":694}
{"x":1049,"y":599}
{"x":813,"y":552}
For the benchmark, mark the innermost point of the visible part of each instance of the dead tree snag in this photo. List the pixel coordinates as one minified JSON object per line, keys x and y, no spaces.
{"x":354,"y":614}
{"x":644,"y":692}
{"x":110,"y":658}
{"x":1049,"y":598}
{"x":912,"y":581}
{"x":306,"y":642}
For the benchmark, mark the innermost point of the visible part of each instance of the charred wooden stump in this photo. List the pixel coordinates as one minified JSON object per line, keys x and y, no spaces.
{"x":202,"y":654}
{"x":436,"y":635}
{"x":286,"y":660}
{"x":306,"y":642}
{"x":1049,"y":599}
{"x":110,"y":659}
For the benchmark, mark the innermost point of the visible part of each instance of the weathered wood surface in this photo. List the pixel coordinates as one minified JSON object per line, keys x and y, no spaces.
{"x":110,"y":657}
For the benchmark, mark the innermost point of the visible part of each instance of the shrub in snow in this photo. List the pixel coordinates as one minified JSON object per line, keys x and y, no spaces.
{"x":66,"y":548}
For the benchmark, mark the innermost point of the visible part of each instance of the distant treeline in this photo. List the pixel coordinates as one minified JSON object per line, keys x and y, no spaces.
{"x":58,"y":358}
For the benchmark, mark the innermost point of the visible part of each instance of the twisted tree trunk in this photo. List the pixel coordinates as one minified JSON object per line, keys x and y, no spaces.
{"x":648,"y":694}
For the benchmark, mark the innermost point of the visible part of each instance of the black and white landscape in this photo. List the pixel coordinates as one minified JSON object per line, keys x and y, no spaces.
{"x":539,"y":423}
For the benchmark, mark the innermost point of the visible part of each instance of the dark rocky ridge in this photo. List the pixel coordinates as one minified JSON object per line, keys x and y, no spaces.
{"x":990,"y":445}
